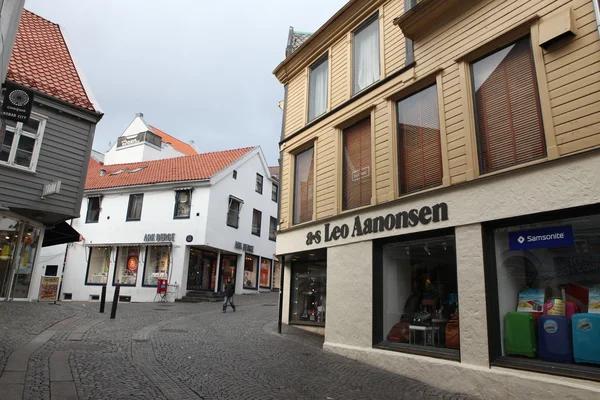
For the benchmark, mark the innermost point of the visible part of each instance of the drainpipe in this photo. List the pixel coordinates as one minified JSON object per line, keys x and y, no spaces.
{"x":282,"y":258}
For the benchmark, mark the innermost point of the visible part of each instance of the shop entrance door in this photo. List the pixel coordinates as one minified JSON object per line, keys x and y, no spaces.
{"x":228,"y":269}
{"x":202,"y":270}
{"x":9,"y":239}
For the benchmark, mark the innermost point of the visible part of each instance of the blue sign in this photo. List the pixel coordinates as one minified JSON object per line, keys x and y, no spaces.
{"x":544,"y":238}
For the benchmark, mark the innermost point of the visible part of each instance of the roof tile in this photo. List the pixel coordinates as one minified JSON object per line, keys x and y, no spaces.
{"x":177,"y":144}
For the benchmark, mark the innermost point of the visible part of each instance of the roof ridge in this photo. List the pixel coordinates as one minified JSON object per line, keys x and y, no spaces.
{"x":39,"y":16}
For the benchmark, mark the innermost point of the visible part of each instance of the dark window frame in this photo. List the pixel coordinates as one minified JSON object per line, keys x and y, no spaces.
{"x":270,"y":272}
{"x":361,"y":27}
{"x":89,"y":260}
{"x":256,"y":274}
{"x":131,"y":196}
{"x":116,"y":266}
{"x":492,"y":298}
{"x":274,"y":232}
{"x":239,"y":209}
{"x":234,"y":174}
{"x":88,"y":220}
{"x":177,"y":200}
{"x":254,"y":211}
{"x":274,"y":192}
{"x":378,"y":333}
{"x":146,"y":263}
{"x":259,"y":183}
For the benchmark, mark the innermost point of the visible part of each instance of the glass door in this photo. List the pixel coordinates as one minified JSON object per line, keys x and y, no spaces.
{"x":194,"y":279}
{"x":9,"y":238}
{"x":228,"y":269}
{"x":26,"y":262}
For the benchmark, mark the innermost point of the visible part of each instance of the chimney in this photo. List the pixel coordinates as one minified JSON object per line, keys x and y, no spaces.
{"x":102,"y":172}
{"x":141,"y":115}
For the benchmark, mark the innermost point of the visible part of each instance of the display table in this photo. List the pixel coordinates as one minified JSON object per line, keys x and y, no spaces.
{"x":427,"y":334}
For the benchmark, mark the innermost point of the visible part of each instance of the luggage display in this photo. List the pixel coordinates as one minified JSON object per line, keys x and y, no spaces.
{"x":520,"y":334}
{"x":586,"y":338}
{"x":571,"y":309}
{"x":554,"y":338}
{"x":399,"y":332}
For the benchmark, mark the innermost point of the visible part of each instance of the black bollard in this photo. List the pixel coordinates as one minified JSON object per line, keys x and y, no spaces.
{"x":113,"y":311}
{"x":103,"y":299}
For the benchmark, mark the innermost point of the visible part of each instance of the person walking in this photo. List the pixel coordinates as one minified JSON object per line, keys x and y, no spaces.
{"x":229,"y":291}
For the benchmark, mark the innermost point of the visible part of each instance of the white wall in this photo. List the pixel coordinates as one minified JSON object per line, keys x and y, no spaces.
{"x":10,"y":15}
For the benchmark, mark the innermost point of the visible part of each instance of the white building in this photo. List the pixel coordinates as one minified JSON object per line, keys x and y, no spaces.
{"x":195,"y":221}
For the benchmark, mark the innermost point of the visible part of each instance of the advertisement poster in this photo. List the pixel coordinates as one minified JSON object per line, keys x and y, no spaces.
{"x":132,"y":259}
{"x":49,"y":288}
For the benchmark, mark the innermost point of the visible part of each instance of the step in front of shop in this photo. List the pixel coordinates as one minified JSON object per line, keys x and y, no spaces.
{"x":198,"y":297}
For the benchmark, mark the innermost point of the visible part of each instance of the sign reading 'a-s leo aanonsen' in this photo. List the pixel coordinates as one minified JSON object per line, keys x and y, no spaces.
{"x":544,"y":238}
{"x":389,"y":222}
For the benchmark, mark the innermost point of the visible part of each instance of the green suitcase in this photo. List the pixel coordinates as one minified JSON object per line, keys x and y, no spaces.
{"x":520,"y":334}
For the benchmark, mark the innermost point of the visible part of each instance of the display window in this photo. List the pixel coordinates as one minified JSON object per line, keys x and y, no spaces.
{"x":265,"y":273}
{"x":98,"y":266}
{"x":308,"y":292}
{"x":545,"y":310}
{"x":126,"y":269}
{"x":250,"y":272}
{"x":156,"y":265}
{"x":417,"y":294}
{"x":9,"y":237}
{"x":276,"y":275}
{"x":228,"y":268}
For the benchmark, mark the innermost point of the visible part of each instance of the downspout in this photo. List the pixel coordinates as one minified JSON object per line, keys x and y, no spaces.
{"x":282,"y":258}
{"x":62,"y":272}
{"x":597,"y":12}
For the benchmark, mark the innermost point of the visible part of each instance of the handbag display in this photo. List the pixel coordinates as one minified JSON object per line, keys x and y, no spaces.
{"x":399,"y":332}
{"x":421,"y":319}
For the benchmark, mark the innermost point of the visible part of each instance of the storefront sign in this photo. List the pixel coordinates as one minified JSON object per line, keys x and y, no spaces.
{"x":17,"y":103}
{"x":403,"y":219}
{"x":129,"y":140}
{"x":159,"y":237}
{"x":243,"y":246}
{"x":545,"y":238}
{"x":51,"y":188}
{"x":49,"y":288}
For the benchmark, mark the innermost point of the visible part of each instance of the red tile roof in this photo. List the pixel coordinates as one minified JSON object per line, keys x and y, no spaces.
{"x":186,"y":168}
{"x":41,"y":60}
{"x":274,"y":171}
{"x":177,"y":144}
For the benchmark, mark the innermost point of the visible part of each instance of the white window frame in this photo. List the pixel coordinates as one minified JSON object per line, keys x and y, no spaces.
{"x":38,"y":137}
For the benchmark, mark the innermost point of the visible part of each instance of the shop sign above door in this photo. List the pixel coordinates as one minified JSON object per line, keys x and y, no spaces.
{"x":17,"y":103}
{"x":544,"y":238}
{"x":389,"y":222}
{"x":243,"y":246}
{"x":159,"y":237}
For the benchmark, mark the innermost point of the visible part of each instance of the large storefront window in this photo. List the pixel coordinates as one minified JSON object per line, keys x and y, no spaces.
{"x":265,"y":273}
{"x":276,"y":275}
{"x":548,"y":282}
{"x":9,"y":237}
{"x":128,"y":259}
{"x":308,"y":300}
{"x":250,"y":272}
{"x":98,"y":266}
{"x":418,"y":304}
{"x":156,"y":265}
{"x":22,"y":278}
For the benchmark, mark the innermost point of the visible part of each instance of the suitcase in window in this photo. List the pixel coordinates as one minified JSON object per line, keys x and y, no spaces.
{"x":586,"y":338}
{"x":554,"y":338}
{"x":520,"y":334}
{"x":571,"y":309}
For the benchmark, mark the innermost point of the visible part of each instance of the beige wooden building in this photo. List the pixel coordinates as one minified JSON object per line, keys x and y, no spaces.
{"x":440,"y":183}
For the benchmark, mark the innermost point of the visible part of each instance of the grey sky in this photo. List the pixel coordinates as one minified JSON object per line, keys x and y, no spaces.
{"x":199,"y":70}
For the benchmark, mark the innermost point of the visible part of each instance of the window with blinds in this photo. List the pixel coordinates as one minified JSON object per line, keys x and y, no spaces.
{"x":304,"y":178}
{"x":507,"y":108}
{"x":419,"y":146}
{"x":356,"y":169}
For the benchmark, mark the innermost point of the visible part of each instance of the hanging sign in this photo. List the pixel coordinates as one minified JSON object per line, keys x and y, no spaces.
{"x":544,"y":238}
{"x":17,"y":103}
{"x":49,"y":288}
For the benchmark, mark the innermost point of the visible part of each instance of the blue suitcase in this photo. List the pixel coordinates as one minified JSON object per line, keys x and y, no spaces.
{"x":554,"y":338}
{"x":586,"y":338}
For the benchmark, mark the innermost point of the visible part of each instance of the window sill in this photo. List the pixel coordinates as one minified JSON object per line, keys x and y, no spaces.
{"x":123,"y":285}
{"x":250,"y":288}
{"x":133,"y":220}
{"x":428,"y":351}
{"x":188,"y":217}
{"x":256,"y":234}
{"x":92,"y":222}
{"x":273,"y":239}
{"x":308,"y":323}
{"x":95,"y":284}
{"x":512,"y":167}
{"x":266,"y":287}
{"x":18,"y":168}
{"x":546,"y":367}
{"x":233,"y":226}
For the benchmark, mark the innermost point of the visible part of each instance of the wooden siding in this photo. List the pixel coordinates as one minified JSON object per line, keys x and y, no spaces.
{"x":570,"y":93}
{"x":64,"y":155}
{"x":296,"y":104}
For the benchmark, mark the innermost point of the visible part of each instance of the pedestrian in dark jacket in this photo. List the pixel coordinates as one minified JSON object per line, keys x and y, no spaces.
{"x":229,"y":291}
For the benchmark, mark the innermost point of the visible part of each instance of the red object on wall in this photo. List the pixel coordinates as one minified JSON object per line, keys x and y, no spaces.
{"x":162,"y":286}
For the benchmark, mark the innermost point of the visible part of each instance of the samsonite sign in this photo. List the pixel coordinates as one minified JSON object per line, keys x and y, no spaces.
{"x":544,"y":238}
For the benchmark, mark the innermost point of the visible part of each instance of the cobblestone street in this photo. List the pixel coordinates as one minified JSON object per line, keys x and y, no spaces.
{"x":178,"y":351}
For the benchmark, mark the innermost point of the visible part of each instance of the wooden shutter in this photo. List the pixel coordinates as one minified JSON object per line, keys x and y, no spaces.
{"x":304,"y":186}
{"x":507,"y":109}
{"x":357,"y":172}
{"x":419,"y":146}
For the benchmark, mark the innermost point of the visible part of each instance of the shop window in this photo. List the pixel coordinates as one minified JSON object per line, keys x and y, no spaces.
{"x":126,"y":268}
{"x":26,"y":261}
{"x":548,"y":288}
{"x":134,"y":209}
{"x":419,"y":146}
{"x":356,"y":162}
{"x":507,"y":108}
{"x":304,"y":176}
{"x":156,"y":265}
{"x":265,"y":273}
{"x":10,"y":230}
{"x":228,"y":268}
{"x":366,"y":70}
{"x":250,"y":271}
{"x":21,"y":142}
{"x":418,"y":304}
{"x":276,"y":275}
{"x":274,"y":192}
{"x":317,"y":91}
{"x":98,"y":266}
{"x":183,"y":203}
{"x":308,"y":300}
{"x":256,"y":222}
{"x":272,"y":228}
{"x":93,"y":211}
{"x":233,"y":212}
{"x":259,"y":183}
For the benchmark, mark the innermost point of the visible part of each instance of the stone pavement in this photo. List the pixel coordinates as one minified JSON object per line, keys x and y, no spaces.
{"x":179,"y":351}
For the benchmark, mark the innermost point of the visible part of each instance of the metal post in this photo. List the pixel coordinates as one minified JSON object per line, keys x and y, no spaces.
{"x":113,"y":311}
{"x":103,"y":299}
{"x":282,"y":268}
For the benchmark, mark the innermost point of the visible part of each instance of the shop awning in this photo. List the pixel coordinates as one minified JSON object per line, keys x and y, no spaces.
{"x":132,"y":244}
{"x":61,"y":233}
